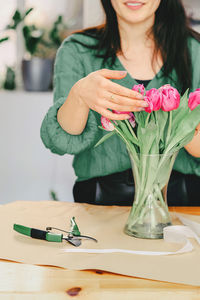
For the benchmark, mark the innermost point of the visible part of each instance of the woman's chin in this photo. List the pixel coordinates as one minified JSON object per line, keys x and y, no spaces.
{"x":136,"y":19}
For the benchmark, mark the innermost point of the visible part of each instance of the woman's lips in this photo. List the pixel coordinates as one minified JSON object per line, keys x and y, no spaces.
{"x":134,"y":5}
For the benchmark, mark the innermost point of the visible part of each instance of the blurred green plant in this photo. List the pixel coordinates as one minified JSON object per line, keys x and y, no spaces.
{"x":53,"y":196}
{"x":51,"y":39}
{"x":42,"y":42}
{"x":9,"y":83}
{"x":39,"y":42}
{"x":17,"y":18}
{"x":32,"y":37}
{"x":4,"y":39}
{"x":55,"y":33}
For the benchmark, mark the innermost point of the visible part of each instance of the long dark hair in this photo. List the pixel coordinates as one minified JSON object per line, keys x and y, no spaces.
{"x":171,"y":30}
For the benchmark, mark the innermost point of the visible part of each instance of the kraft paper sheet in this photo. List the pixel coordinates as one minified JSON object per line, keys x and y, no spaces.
{"x":106,"y":224}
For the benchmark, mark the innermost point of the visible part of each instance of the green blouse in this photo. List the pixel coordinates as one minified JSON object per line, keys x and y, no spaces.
{"x":74,"y":61}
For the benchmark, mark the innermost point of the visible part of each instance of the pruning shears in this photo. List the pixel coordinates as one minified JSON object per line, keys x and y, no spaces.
{"x":73,"y":237}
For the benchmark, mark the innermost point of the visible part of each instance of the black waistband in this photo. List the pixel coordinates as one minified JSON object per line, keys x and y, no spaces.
{"x":118,"y":189}
{"x":124,"y":176}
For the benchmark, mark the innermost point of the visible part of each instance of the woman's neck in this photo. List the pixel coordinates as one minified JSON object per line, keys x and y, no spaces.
{"x":135,"y":34}
{"x":138,"y":55}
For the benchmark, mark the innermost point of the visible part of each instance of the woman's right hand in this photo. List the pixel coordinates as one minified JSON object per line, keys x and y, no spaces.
{"x":100,"y":94}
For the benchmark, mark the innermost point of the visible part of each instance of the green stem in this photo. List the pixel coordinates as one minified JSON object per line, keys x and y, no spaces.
{"x":169,"y":128}
{"x":131,"y":150}
{"x":159,"y":195}
{"x":148,"y":185}
{"x":144,"y":171}
{"x":151,"y":179}
{"x":164,"y":209}
{"x":147,"y":120}
{"x":131,"y":129}
{"x":129,"y":145}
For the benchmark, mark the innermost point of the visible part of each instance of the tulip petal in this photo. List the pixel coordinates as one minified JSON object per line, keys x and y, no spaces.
{"x":132,"y":120}
{"x":155,"y":98}
{"x":148,"y":109}
{"x":106,"y":124}
{"x":194,"y":99}
{"x":170,"y":98}
{"x":139,"y":88}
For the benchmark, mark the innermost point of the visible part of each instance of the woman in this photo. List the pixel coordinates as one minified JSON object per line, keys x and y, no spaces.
{"x":147,"y":42}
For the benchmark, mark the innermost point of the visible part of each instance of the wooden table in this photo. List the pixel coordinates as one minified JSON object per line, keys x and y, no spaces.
{"x":22,"y":281}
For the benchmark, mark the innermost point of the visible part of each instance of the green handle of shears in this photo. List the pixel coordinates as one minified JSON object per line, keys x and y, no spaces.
{"x":38,"y":234}
{"x":52,"y":237}
{"x":22,"y":229}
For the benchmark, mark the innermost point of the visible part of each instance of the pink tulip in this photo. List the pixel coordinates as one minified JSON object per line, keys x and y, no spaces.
{"x":165,"y":86}
{"x":194,"y":99}
{"x":155,"y":98}
{"x":121,"y":112}
{"x":139,"y":88}
{"x":149,"y":108}
{"x":106,"y":124}
{"x":170,"y":98}
{"x":131,"y":119}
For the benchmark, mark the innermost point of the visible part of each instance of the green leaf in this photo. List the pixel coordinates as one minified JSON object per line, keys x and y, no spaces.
{"x":129,"y":145}
{"x":53,"y":196}
{"x":161,"y":120}
{"x":177,"y":116}
{"x":105,"y":137}
{"x":127,"y":133}
{"x":18,"y":18}
{"x":54,"y":33}
{"x":141,"y":117}
{"x":28,"y":12}
{"x":184,"y":131}
{"x":32,"y":37}
{"x":181,"y":111}
{"x":74,"y":227}
{"x":100,"y":127}
{"x":10,"y":82}
{"x":147,"y":136}
{"x":4,"y":39}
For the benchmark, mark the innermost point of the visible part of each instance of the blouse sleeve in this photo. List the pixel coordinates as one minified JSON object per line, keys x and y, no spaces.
{"x":68,"y":69}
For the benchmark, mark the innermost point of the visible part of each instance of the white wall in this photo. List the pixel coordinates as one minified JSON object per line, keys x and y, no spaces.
{"x":46,"y":11}
{"x":193,"y":9}
{"x":92,"y":13}
{"x":27,"y":169}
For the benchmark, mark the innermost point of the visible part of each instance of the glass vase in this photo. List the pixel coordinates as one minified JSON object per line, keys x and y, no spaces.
{"x":149,"y":213}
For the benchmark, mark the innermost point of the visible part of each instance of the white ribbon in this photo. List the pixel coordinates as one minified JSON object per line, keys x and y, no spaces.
{"x":178,"y":234}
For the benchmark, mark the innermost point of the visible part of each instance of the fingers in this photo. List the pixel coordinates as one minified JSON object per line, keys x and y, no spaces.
{"x":111,"y":116}
{"x":123,"y":91}
{"x":103,"y":109}
{"x":112,"y":74}
{"x":104,"y":95}
{"x":113,"y":87}
{"x":104,"y":74}
{"x":127,"y":102}
{"x":127,"y":108}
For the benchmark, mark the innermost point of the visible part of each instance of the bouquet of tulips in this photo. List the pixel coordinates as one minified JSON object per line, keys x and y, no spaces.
{"x":151,"y":137}
{"x":169,"y":120}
